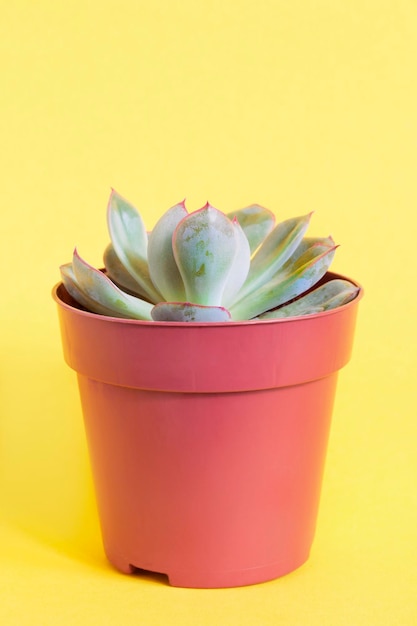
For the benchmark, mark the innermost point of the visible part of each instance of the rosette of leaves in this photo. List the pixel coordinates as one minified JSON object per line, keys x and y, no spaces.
{"x":207,"y":266}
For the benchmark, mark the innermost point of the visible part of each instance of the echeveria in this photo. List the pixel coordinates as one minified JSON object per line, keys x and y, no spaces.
{"x":207,"y":266}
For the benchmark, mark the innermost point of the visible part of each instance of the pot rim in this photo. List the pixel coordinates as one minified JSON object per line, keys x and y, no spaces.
{"x":296,"y":318}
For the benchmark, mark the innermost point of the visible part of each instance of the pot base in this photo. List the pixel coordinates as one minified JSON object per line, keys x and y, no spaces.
{"x":214,"y":579}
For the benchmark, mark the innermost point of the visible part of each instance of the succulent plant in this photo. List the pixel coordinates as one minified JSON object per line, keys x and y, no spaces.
{"x":207,"y":266}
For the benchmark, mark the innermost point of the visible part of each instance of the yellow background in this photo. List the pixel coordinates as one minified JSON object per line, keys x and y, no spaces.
{"x":298,"y":105}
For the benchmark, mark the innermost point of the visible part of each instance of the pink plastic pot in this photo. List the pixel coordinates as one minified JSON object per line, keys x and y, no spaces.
{"x":207,"y":441}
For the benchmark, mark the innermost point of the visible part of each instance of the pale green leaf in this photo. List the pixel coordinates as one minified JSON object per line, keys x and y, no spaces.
{"x":240,"y":266}
{"x":117,"y":272}
{"x":275,"y":251}
{"x":70,"y":284}
{"x":130,"y":242}
{"x":162,"y":265}
{"x":256,"y":222}
{"x":205,"y":246}
{"x":102,"y":292}
{"x":187,"y":312}
{"x":332,"y":294}
{"x":307,"y":243}
{"x":286,"y":284}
